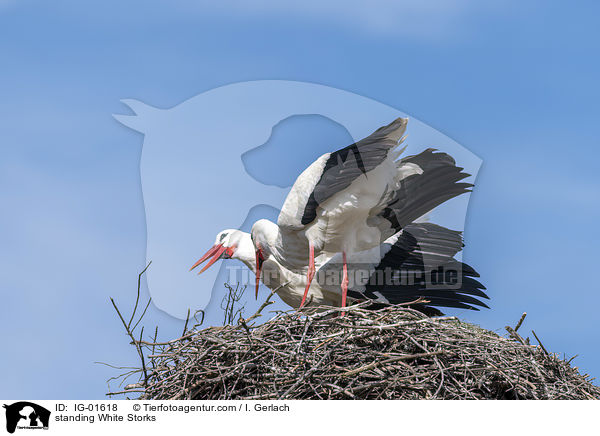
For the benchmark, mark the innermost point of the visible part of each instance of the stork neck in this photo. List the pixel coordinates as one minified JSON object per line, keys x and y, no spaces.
{"x":249,"y":261}
{"x":245,"y":252}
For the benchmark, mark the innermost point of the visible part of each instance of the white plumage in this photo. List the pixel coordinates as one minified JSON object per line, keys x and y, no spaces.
{"x":345,"y":212}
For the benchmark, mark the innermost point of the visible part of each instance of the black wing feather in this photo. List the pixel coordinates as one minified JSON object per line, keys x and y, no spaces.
{"x":423,"y":248}
{"x":347,"y":164}
{"x":420,"y":193}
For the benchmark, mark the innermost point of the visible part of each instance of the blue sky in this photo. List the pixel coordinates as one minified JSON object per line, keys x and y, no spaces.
{"x":514,"y":82}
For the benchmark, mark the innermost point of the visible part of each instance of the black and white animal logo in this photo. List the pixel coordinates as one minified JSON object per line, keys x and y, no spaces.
{"x":26,"y":415}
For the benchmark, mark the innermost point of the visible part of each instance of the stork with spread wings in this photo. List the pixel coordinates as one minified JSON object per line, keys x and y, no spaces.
{"x":356,"y":203}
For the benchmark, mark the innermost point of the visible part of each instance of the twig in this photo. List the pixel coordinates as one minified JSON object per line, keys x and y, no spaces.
{"x":540,"y":342}
{"x":520,"y":321}
{"x":571,"y":359}
{"x":186,"y":322}
{"x":142,"y":315}
{"x":515,"y":335}
{"x":390,"y":360}
{"x":265,"y":304}
{"x":304,"y":376}
{"x":139,"y":282}
{"x":124,"y":392}
{"x":142,"y":357}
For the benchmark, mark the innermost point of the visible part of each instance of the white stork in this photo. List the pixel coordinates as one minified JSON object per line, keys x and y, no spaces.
{"x":402,"y":269}
{"x":352,"y":200}
{"x":355,"y":198}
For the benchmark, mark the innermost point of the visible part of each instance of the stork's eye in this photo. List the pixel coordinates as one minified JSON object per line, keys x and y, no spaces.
{"x":222,"y":237}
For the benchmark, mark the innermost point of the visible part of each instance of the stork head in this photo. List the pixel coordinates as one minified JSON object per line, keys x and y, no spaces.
{"x":229,"y":244}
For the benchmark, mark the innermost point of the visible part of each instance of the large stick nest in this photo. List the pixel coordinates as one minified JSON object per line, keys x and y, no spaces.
{"x":391,"y":353}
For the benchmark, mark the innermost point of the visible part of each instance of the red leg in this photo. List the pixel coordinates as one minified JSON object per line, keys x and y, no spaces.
{"x":311,"y":272}
{"x":344,"y":282}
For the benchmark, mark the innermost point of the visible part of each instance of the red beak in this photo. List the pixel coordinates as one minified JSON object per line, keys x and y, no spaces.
{"x":259,"y":261}
{"x":216,"y":251}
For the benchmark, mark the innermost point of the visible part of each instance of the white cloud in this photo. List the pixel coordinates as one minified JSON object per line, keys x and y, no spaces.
{"x":424,"y":20}
{"x":429,"y":19}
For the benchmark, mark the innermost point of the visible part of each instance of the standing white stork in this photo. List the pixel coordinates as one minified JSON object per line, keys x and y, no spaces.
{"x":405,"y":268}
{"x":353,"y":199}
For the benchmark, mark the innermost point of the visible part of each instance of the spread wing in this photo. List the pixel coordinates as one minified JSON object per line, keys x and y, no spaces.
{"x":434,"y":179}
{"x":335,"y":172}
{"x":416,"y":263}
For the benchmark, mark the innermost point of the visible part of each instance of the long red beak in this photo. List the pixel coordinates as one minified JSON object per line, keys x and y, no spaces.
{"x":215,"y":251}
{"x":259,"y":261}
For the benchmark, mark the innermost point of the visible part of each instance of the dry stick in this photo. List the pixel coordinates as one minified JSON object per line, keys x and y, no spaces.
{"x":171,"y":342}
{"x":540,"y":342}
{"x":123,"y":392}
{"x":153,"y":346}
{"x":128,"y":325}
{"x":318,"y":313}
{"x":142,"y":357}
{"x":202,"y":320}
{"x":242,"y":322}
{"x":306,"y":374}
{"x":265,"y":304}
{"x":392,"y":359}
{"x":186,"y":322}
{"x":130,"y":333}
{"x":116,"y":367}
{"x":439,"y":365}
{"x":307,"y":324}
{"x":571,"y":359}
{"x":233,"y":296}
{"x":520,"y":321}
{"x":142,"y":315}
{"x":124,"y":376}
{"x":323,"y":343}
{"x":394,"y":326}
{"x":515,"y":335}
{"x":138,"y":295}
